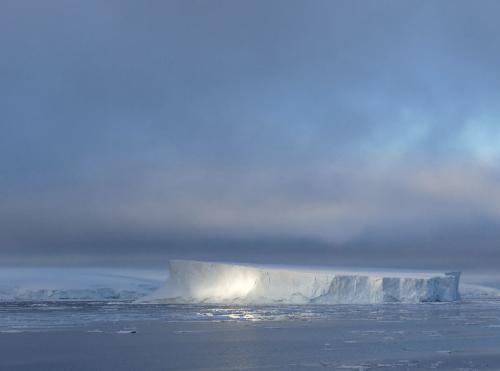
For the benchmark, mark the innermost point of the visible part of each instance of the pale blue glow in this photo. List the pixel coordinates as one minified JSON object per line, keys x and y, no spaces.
{"x":481,"y":137}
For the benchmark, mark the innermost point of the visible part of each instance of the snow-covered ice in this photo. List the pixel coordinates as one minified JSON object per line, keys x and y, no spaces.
{"x":41,"y":284}
{"x":209,"y":282}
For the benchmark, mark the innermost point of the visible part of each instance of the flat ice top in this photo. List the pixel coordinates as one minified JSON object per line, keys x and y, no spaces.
{"x":343,"y":271}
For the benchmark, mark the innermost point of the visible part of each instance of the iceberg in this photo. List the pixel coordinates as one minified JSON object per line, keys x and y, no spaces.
{"x":224,"y":283}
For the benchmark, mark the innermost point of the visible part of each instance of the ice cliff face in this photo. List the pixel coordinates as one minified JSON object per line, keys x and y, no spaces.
{"x":202,"y":282}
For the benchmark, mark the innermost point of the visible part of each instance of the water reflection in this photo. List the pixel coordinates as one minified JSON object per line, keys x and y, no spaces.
{"x":47,"y":315}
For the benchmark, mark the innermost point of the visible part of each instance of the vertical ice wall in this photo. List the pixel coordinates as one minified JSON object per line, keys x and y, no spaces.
{"x":204,"y":282}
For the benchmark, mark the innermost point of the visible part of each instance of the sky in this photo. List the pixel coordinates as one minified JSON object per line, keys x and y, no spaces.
{"x":337,"y":132}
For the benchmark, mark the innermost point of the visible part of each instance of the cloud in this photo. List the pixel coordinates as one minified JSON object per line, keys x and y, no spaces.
{"x":334,"y":122}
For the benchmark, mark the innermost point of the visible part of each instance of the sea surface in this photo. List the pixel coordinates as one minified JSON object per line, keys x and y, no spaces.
{"x":98,"y":335}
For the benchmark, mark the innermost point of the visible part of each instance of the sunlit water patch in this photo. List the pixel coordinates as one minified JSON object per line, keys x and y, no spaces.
{"x":31,"y":316}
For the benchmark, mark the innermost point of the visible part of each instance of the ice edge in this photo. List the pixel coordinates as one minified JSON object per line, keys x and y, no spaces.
{"x":224,"y":283}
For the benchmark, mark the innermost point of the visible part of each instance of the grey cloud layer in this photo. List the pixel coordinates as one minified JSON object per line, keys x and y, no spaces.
{"x":332,"y":120}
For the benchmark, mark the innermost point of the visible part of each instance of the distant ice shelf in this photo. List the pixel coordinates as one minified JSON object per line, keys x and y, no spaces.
{"x":79,"y":294}
{"x":223,"y":283}
{"x":53,"y":284}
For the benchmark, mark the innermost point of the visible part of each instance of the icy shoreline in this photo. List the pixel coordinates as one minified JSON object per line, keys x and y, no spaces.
{"x":130,"y":284}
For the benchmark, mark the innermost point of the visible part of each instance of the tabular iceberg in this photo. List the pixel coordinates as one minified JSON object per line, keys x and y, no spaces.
{"x":223,"y":283}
